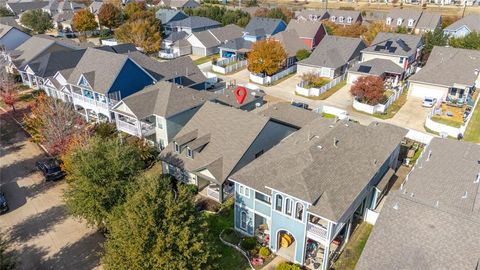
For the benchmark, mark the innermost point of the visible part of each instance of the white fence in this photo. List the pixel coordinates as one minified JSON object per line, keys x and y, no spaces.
{"x":263,"y":80}
{"x":371,"y":216}
{"x":168,"y":54}
{"x":379,"y":108}
{"x":225,"y":66}
{"x":419,"y":136}
{"x":340,"y":113}
{"x":449,"y":130}
{"x":315,"y":92}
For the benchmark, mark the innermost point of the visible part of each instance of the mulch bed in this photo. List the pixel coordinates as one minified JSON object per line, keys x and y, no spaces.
{"x":206,"y":204}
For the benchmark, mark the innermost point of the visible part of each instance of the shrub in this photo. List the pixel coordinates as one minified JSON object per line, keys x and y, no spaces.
{"x":313,"y":80}
{"x":287,"y":266}
{"x":302,"y":54}
{"x":248,"y":243}
{"x":192,"y":188}
{"x":264,"y":252}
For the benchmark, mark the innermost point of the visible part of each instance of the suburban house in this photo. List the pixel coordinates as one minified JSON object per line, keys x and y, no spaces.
{"x":207,"y":42}
{"x":261,"y":28}
{"x":311,"y":32}
{"x":332,"y":57}
{"x":170,"y":15}
{"x":11,"y":37}
{"x":450,"y":74}
{"x":181,"y":71}
{"x":401,"y":49}
{"x":217,"y":142}
{"x":101,"y":79}
{"x":175,"y":45}
{"x":286,"y":114}
{"x":464,"y":26}
{"x":291,"y":43}
{"x":305,"y":196}
{"x":312,"y":15}
{"x":253,"y":97}
{"x":95,"y":7}
{"x":344,"y":17}
{"x":55,"y":7}
{"x":238,"y":47}
{"x":179,"y":4}
{"x":432,"y":221}
{"x":413,"y":20}
{"x":192,"y":24}
{"x":18,"y":8}
{"x":158,"y":112}
{"x":379,"y":67}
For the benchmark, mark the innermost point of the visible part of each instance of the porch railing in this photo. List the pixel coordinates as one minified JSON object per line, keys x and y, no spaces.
{"x":127,"y":127}
{"x":81,"y":98}
{"x":318,"y":231}
{"x":213,"y":193}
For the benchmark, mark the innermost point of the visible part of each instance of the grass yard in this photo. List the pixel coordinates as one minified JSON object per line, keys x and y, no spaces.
{"x":394,"y":108}
{"x":350,"y":255}
{"x":472,"y":133}
{"x":229,"y":257}
{"x":446,"y":121}
{"x":282,"y":79}
{"x":328,"y":93}
{"x":205,"y":59}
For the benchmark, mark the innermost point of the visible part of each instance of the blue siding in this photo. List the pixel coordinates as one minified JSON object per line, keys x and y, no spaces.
{"x":130,"y":80}
{"x":244,"y":200}
{"x":281,"y":27}
{"x":238,"y":210}
{"x":262,"y":208}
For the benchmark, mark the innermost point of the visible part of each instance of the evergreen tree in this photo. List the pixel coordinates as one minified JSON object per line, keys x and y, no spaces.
{"x":36,"y":20}
{"x":432,"y":39}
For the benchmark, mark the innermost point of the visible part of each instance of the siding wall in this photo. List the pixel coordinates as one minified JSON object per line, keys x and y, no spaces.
{"x":130,"y":80}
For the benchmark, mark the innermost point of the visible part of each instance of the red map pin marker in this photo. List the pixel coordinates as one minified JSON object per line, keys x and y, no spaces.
{"x":241,"y":94}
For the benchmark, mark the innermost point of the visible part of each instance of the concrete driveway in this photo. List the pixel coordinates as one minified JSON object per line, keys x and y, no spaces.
{"x":40,"y":233}
{"x":412,"y":115}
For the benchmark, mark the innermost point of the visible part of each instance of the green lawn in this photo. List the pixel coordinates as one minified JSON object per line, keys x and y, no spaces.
{"x":472,"y":134}
{"x":394,"y":108}
{"x":350,"y":255}
{"x":205,"y":59}
{"x":229,"y":257}
{"x":328,"y":93}
{"x":446,"y":121}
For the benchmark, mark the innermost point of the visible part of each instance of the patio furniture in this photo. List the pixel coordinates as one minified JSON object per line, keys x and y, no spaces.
{"x":449,"y":114}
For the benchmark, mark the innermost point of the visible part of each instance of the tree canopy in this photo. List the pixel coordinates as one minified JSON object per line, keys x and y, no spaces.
{"x":5,"y":12}
{"x":142,"y":29}
{"x":470,"y":41}
{"x":281,"y":12}
{"x":36,"y":20}
{"x":157,"y":227}
{"x":266,"y":57}
{"x":99,"y":174}
{"x":110,"y":15}
{"x":302,"y":54}
{"x":221,"y":14}
{"x":368,"y":89}
{"x":132,"y":8}
{"x":355,"y":30}
{"x":84,"y":21}
{"x":431,"y":39}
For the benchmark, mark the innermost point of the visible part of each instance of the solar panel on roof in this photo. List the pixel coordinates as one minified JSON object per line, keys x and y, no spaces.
{"x":404,"y":45}
{"x":364,"y":69}
{"x":388,"y":44}
{"x":392,"y":49}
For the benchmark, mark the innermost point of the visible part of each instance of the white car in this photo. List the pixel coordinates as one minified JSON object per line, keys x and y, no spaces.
{"x":429,"y":102}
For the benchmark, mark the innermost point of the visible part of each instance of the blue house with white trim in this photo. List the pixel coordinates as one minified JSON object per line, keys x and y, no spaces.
{"x":304,"y":197}
{"x":261,"y":28}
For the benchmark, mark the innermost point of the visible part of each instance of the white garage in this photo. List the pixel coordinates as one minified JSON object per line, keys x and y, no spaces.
{"x":423,"y":90}
{"x":352,"y":77}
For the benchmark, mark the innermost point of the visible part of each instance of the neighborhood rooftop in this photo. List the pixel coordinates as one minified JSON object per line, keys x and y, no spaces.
{"x":472,"y":22}
{"x":48,"y":64}
{"x":287,"y":114}
{"x":310,"y":164}
{"x":195,"y":22}
{"x":377,"y":66}
{"x":216,"y":36}
{"x":22,"y":6}
{"x":262,"y":26}
{"x":291,"y":42}
{"x":448,"y":66}
{"x":304,"y":28}
{"x":433,"y":221}
{"x":395,"y":44}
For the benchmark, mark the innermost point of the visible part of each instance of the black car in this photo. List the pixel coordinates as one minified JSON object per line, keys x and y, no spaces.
{"x":51,"y":169}
{"x":3,"y":203}
{"x":300,"y":105}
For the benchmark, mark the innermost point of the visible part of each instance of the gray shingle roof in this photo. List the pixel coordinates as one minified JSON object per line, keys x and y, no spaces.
{"x":355,"y":15}
{"x":231,"y":133}
{"x":238,"y":44}
{"x":291,"y":42}
{"x":287,"y":114}
{"x":308,"y":166}
{"x":174,"y":36}
{"x":100,"y":68}
{"x":448,"y":66}
{"x":429,"y":21}
{"x":394,"y":44}
{"x":405,"y":14}
{"x":227,"y":32}
{"x":228,"y":97}
{"x":334,"y":52}
{"x":95,"y":7}
{"x":259,"y":26}
{"x":305,"y":28}
{"x":195,"y":22}
{"x":168,"y":15}
{"x":20,"y":7}
{"x":376,"y":66}
{"x":47,"y":65}
{"x":308,"y":14}
{"x":181,"y":3}
{"x":472,"y":22}
{"x":165,"y":99}
{"x":182,"y":69}
{"x":416,"y":232}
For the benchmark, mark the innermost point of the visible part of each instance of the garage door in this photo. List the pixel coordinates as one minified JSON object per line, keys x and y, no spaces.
{"x":198,"y":51}
{"x":425,"y":90}
{"x":352,"y":77}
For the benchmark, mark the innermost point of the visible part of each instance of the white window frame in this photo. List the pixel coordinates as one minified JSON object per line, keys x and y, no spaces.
{"x":399,"y":21}
{"x":244,"y":191}
{"x":281,"y":202}
{"x":333,"y":18}
{"x":389,"y":21}
{"x":410,"y":22}
{"x":296,"y":211}
{"x":340,"y":19}
{"x":177,"y":147}
{"x":189,"y":153}
{"x":243,"y":213}
{"x":288,"y":206}
{"x":349,"y":20}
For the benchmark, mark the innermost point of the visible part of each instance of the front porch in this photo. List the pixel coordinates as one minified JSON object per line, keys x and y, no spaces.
{"x":212,"y":190}
{"x":134,"y":126}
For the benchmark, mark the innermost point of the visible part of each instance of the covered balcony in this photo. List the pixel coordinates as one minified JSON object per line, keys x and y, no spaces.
{"x":317,"y":228}
{"x":134,"y":126}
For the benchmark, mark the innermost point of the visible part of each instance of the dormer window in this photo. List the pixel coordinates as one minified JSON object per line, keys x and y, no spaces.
{"x":340,"y":19}
{"x":349,"y":20}
{"x":410,"y":23}
{"x":177,"y":147}
{"x":279,"y":202}
{"x":333,"y":18}
{"x":389,"y":21}
{"x":399,"y":21}
{"x":189,"y":153}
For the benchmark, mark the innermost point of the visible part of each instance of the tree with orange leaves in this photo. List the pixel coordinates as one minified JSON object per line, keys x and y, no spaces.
{"x":266,"y":57}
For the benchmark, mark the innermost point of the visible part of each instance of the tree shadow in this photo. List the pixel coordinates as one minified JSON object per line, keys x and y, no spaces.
{"x":83,"y":254}
{"x":37,"y":224}
{"x":10,"y":132}
{"x":27,"y":257}
{"x":19,"y":169}
{"x":10,"y":149}
{"x":14,"y":195}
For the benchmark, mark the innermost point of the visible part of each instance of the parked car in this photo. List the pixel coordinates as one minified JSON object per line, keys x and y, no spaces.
{"x":3,"y":203}
{"x":429,"y":102}
{"x":51,"y":169}
{"x":300,"y":105}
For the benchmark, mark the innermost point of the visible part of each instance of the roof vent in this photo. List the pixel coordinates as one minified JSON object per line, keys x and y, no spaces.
{"x":275,"y":108}
{"x":465,"y":195}
{"x":331,"y":126}
{"x":319,"y":147}
{"x":335,"y":141}
{"x":395,"y":206}
{"x":477,"y":180}
{"x":412,"y":195}
{"x":436,"y":204}
{"x":375,"y":161}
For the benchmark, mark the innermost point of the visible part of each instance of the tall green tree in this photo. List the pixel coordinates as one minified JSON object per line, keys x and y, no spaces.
{"x":99,"y":175}
{"x":110,"y":15}
{"x":36,"y":20}
{"x":470,"y":41}
{"x":157,"y":228}
{"x":432,"y":39}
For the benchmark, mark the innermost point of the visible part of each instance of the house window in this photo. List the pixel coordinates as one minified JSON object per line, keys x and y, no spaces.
{"x":299,"y":211}
{"x":243,"y":220}
{"x":261,"y":197}
{"x":410,"y":23}
{"x":189,"y":153}
{"x":333,"y":18}
{"x":288,"y":207}
{"x":177,"y":147}
{"x":340,"y":19}
{"x":401,"y":60}
{"x":349,"y":20}
{"x":278,"y":202}
{"x":399,"y":21}
{"x":244,"y":191}
{"x":389,"y":21}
